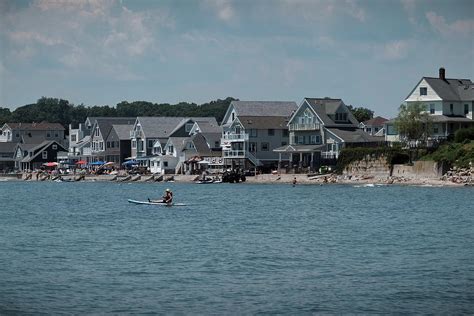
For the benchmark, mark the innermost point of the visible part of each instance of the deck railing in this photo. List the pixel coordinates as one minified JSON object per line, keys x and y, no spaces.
{"x":304,"y":127}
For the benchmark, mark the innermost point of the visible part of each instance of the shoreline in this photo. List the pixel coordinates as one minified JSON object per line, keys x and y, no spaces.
{"x":301,"y":179}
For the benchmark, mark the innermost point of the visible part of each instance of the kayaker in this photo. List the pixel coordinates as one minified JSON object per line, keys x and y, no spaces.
{"x":168,"y":197}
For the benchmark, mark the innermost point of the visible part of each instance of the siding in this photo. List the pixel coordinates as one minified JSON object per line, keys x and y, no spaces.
{"x":430,"y":96}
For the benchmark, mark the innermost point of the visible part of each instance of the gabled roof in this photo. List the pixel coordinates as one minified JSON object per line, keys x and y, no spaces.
{"x":105,"y":123}
{"x":354,"y":135}
{"x":158,"y":126}
{"x":39,"y":148}
{"x":122,"y":131}
{"x":376,"y":121}
{"x":451,"y":89}
{"x":264,"y":108}
{"x":324,"y":107}
{"x":200,"y":120}
{"x":179,"y":143}
{"x":209,"y":126}
{"x":42,"y":126}
{"x":264,"y":122}
{"x":201,"y":145}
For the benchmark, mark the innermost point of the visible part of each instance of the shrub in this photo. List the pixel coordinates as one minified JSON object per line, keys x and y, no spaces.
{"x":464,"y":133}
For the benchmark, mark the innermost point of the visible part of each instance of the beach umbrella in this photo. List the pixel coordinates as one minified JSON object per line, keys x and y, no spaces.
{"x":110,"y":163}
{"x":81,"y":162}
{"x":96,"y":163}
{"x":130,"y":162}
{"x":50,"y":164}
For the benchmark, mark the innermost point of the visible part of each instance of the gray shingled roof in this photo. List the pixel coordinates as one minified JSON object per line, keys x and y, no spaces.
{"x":8,"y":147}
{"x":179,"y":143}
{"x":264,"y":108}
{"x":452,"y":89}
{"x":376,"y":121}
{"x":325,"y":106}
{"x":158,"y":126}
{"x":200,"y":143}
{"x":42,"y":126}
{"x":105,"y":123}
{"x":209,"y":127}
{"x":354,"y":136}
{"x":123,"y":131}
{"x":264,"y":122}
{"x":444,"y":118}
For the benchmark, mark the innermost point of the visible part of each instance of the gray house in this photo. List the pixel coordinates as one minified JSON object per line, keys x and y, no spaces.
{"x":319,"y":129}
{"x":252,"y":130}
{"x":32,"y":132}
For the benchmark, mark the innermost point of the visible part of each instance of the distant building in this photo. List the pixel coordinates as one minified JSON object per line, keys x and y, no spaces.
{"x":33,"y":156}
{"x":449,"y":102}
{"x":32,"y":132}
{"x":374,"y":126}
{"x":252,"y":130}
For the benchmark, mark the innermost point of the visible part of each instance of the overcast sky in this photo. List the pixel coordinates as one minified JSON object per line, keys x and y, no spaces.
{"x":369,"y":53}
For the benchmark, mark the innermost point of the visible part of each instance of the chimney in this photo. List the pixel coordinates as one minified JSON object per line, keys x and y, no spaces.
{"x":442,"y":73}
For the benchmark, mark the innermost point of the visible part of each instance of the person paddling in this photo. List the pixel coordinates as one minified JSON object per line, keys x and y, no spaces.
{"x":168,"y":197}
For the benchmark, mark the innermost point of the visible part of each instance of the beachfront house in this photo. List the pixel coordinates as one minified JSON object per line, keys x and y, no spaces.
{"x":32,"y":132}
{"x":105,"y":138}
{"x":7,"y":160}
{"x":374,"y":126}
{"x":33,"y":156}
{"x":319,"y":129}
{"x":252,"y":130}
{"x":449,"y":102}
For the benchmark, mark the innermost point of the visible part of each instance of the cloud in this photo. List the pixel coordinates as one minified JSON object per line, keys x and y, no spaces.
{"x":393,"y":50}
{"x":409,"y":6}
{"x":81,"y":7}
{"x":223,"y":9}
{"x":314,"y":10}
{"x":459,"y":27}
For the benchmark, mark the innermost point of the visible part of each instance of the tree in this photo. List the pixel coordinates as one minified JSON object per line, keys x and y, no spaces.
{"x":360,"y":113}
{"x":5,"y":116}
{"x":413,"y":123}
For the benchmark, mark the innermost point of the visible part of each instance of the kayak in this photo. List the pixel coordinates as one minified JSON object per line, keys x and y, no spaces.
{"x":155,"y":203}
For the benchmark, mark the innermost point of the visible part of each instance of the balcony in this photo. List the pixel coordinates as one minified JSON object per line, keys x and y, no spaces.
{"x":234,"y":153}
{"x":329,"y":154}
{"x":227,"y":139}
{"x":304,"y":127}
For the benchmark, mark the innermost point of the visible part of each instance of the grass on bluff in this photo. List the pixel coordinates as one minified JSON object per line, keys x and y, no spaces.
{"x":455,"y":154}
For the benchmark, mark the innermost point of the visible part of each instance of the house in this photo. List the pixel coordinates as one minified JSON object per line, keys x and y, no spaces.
{"x":319,"y":129}
{"x":18,"y":132}
{"x":33,"y":156}
{"x":251,"y":130}
{"x":104,"y":138}
{"x":118,"y":144}
{"x":157,"y":142}
{"x":7,"y":151}
{"x":201,"y":153}
{"x":374,"y":126}
{"x":449,"y":102}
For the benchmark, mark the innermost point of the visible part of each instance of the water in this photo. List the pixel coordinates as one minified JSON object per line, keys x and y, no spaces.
{"x":80,"y":248}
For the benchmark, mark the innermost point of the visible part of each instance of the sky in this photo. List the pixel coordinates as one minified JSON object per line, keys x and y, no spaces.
{"x":370,"y":53}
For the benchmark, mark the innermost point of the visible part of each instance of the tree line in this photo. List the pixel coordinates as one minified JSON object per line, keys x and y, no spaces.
{"x":61,"y":111}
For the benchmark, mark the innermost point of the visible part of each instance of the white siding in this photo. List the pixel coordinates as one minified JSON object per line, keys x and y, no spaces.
{"x":430,"y":96}
{"x":458,"y":108}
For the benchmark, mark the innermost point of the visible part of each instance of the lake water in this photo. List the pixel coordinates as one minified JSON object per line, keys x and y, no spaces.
{"x":80,"y":248}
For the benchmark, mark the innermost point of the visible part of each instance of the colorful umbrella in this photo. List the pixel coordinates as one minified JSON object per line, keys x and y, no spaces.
{"x":81,"y":162}
{"x":50,"y":164}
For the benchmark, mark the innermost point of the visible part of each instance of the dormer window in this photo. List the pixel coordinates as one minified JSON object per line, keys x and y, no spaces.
{"x":423,"y":91}
{"x":341,"y":117}
{"x":188,"y":127}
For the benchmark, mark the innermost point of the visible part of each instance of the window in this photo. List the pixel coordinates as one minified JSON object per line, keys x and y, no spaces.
{"x":55,"y":147}
{"x":217,"y":144}
{"x":341,"y":116}
{"x":165,"y":163}
{"x":134,"y":144}
{"x":423,"y":91}
{"x":73,"y":138}
{"x":233,"y":116}
{"x":285,"y":133}
{"x":432,"y":109}
{"x":108,"y":145}
{"x":265,"y":147}
{"x":150,"y":142}
{"x":300,"y":140}
{"x":271,"y":132}
{"x":97,"y":131}
{"x":101,"y":145}
{"x":48,"y":134}
{"x":56,"y":134}
{"x":253,"y":147}
{"x":253,"y":132}
{"x":44,"y":155}
{"x":466,"y":109}
{"x":188,"y":127}
{"x":17,"y":135}
{"x":435,"y":129}
{"x":314,"y":139}
{"x":284,"y":143}
{"x":451,"y":108}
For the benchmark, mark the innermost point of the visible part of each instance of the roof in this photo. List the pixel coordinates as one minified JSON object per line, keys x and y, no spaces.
{"x":33,"y":140}
{"x":201,"y":145}
{"x":327,"y":106}
{"x":300,"y":148}
{"x":264,"y":122}
{"x":200,"y":120}
{"x":179,"y":143}
{"x":444,"y":118}
{"x":43,"y":126}
{"x":452,"y":89}
{"x":158,"y":126}
{"x":7,"y":147}
{"x":264,"y":108}
{"x":354,"y":135}
{"x":38,"y":148}
{"x":105,"y":123}
{"x":209,"y":127}
{"x":123,"y":131}
{"x":376,"y":121}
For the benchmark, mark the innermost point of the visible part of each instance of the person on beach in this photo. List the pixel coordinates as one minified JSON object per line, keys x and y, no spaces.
{"x":168,"y":197}
{"x":294,"y":181}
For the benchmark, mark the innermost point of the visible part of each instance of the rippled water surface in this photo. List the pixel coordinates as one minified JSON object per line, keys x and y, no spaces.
{"x":80,"y":248}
